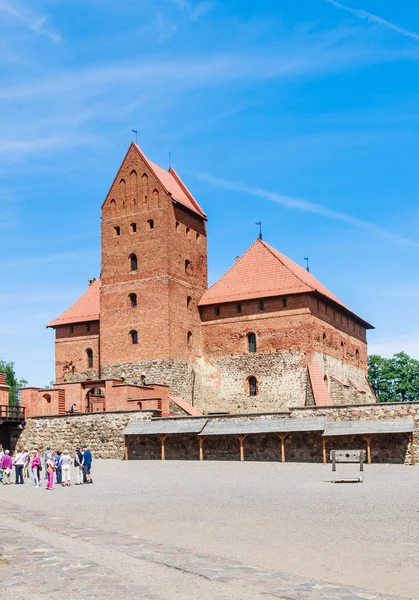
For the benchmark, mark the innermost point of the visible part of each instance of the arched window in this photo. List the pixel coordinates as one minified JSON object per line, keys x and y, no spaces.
{"x":150,"y":224}
{"x":117,"y":230}
{"x":133,"y":227}
{"x":112,"y":204}
{"x":187,"y":266}
{"x":134,"y":336}
{"x":188,"y":301}
{"x":187,"y":231}
{"x":197,"y":236}
{"x":133,"y":300}
{"x":47,"y":397}
{"x":357,"y":353}
{"x":89,"y":354}
{"x":251,"y":341}
{"x":133,"y":262}
{"x":324,"y":337}
{"x":189,"y":339}
{"x":252,"y":386}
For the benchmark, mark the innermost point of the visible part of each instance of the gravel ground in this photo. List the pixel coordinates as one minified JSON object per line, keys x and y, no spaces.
{"x":287,"y":518}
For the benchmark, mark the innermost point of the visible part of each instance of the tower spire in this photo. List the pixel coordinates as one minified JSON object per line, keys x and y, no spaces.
{"x":260,"y":228}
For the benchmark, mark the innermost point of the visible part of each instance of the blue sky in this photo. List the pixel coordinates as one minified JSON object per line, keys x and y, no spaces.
{"x":302,"y":113}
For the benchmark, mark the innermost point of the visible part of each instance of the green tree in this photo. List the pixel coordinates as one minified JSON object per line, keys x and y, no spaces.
{"x":12,"y":381}
{"x":394,"y":379}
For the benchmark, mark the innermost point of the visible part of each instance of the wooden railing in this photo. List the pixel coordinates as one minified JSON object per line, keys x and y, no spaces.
{"x":11,"y":413}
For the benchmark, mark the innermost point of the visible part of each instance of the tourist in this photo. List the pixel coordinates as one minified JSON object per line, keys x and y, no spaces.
{"x":6,"y":465}
{"x":18,"y":464}
{"x":79,"y":463}
{"x":87,"y":466}
{"x":26,"y":463}
{"x":57,"y":464}
{"x":66,"y":462}
{"x":48,"y":453}
{"x":1,"y":456}
{"x":50,"y":466}
{"x":36,"y":466}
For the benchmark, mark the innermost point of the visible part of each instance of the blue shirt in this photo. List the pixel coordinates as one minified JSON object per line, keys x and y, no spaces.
{"x":87,"y":456}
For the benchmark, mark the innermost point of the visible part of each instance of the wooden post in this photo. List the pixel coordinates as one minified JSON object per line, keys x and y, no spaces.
{"x":283,"y":437}
{"x":241,"y":439}
{"x":162,"y":439}
{"x":324,"y":442}
{"x":412,"y":448}
{"x":368,"y":439}
{"x":201,"y":449}
{"x":126,"y":448}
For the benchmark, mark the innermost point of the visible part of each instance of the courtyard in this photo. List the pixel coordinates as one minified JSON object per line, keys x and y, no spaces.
{"x":174,"y":530}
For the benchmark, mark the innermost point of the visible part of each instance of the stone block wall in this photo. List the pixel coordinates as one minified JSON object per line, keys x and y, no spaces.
{"x":100,"y":432}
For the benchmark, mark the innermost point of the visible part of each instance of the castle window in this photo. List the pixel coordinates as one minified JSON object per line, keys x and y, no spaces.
{"x":113,"y":208}
{"x":47,"y":397}
{"x":238,"y":309}
{"x":261,"y":305}
{"x":133,"y":227}
{"x":117,"y":231}
{"x":197,"y":236}
{"x":134,"y":336}
{"x":357,"y":353}
{"x":71,"y":329}
{"x":133,"y":300}
{"x":88,"y":327}
{"x":150,"y":224}
{"x":252,"y":385}
{"x":89,"y":354}
{"x":133,"y":262}
{"x":217,"y":311}
{"x":251,"y":342}
{"x":284,"y":302}
{"x":324,"y":337}
{"x":187,"y":231}
{"x":187,"y":266}
{"x":189,"y":339}
{"x":188,"y":302}
{"x":177,"y":226}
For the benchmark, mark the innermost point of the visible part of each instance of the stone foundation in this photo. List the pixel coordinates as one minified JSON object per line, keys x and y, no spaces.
{"x":100,"y":432}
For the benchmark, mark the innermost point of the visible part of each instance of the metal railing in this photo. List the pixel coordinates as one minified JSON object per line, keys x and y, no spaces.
{"x":12,"y":413}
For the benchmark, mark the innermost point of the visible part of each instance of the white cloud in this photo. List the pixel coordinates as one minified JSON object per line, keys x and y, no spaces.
{"x":306,"y":206}
{"x":32,"y":21}
{"x":363,"y":14}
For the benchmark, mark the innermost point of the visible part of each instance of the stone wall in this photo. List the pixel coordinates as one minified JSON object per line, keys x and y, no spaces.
{"x":177,"y":374}
{"x":100,"y":432}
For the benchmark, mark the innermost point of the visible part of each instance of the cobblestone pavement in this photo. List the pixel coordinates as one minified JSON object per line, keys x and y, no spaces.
{"x":39,"y":570}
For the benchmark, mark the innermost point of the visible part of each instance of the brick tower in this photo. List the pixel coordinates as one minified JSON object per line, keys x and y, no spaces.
{"x":154,"y":272}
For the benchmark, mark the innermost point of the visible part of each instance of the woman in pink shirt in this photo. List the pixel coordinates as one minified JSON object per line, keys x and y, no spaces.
{"x":35,"y":464}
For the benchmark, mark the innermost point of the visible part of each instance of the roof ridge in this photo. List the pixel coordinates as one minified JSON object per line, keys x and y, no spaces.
{"x":275,"y":254}
{"x":149,"y":163}
{"x":185,"y":189}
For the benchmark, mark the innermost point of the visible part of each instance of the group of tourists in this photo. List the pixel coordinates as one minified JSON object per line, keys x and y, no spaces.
{"x":29,"y":466}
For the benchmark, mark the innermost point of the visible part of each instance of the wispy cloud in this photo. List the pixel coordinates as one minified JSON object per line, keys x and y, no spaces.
{"x":306,"y":206}
{"x":194,"y":11}
{"x":371,"y":18}
{"x":387,"y":346}
{"x":33,"y":22}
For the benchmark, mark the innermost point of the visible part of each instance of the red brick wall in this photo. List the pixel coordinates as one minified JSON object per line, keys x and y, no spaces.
{"x":4,"y":390}
{"x":290,"y":329}
{"x":40,"y":402}
{"x":71,"y":357}
{"x":161,"y":316}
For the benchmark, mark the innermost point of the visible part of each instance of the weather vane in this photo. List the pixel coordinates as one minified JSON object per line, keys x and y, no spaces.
{"x":136,"y":131}
{"x":307,"y":267}
{"x":260,"y":228}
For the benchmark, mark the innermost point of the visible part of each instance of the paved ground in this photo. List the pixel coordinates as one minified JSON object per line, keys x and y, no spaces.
{"x":180,"y":530}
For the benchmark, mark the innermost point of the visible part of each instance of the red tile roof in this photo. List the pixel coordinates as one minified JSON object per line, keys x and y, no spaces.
{"x":357,"y":385}
{"x":173,"y":184}
{"x":264,"y":272}
{"x":319,"y":385}
{"x":188,"y":408}
{"x":86,"y":308}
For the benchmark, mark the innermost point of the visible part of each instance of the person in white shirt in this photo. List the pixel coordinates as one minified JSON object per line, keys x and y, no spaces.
{"x":66,"y":462}
{"x":18,"y":464}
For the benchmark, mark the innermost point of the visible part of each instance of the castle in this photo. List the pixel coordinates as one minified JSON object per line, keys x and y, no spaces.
{"x":151,"y":334}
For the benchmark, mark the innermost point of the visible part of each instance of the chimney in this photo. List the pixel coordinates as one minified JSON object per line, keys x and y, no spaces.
{"x":2,"y":379}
